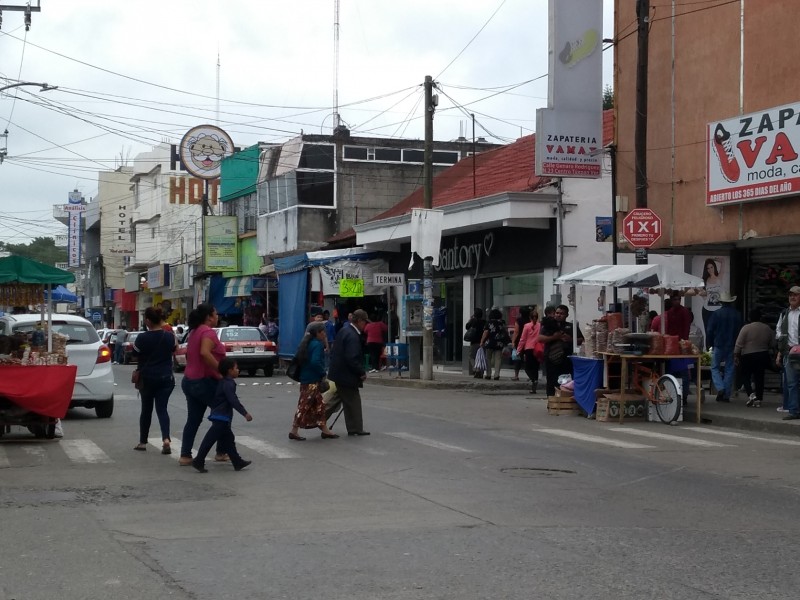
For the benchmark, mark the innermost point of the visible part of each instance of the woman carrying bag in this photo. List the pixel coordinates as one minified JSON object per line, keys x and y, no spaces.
{"x":474,"y":331}
{"x":310,"y":355}
{"x":154,"y":348}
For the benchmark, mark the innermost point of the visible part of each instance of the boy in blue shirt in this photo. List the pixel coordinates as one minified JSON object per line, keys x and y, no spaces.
{"x":225,"y":400}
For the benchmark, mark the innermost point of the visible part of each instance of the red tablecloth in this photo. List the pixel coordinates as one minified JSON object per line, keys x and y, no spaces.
{"x":44,"y":390}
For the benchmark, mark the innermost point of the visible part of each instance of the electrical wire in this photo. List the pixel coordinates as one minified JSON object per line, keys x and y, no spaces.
{"x":489,"y":20}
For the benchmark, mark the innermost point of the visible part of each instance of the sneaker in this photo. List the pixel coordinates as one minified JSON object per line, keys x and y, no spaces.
{"x":751,"y":400}
{"x":781,"y":409}
{"x":576,"y":50}
{"x":59,"y":431}
{"x":723,"y":148}
{"x":757,"y":404}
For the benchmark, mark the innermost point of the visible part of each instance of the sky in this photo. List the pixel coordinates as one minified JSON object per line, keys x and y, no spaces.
{"x":131,"y":75}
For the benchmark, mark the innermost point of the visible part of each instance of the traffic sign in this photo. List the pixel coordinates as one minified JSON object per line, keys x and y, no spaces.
{"x":641,"y":227}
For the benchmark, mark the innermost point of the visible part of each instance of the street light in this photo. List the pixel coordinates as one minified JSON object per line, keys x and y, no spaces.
{"x":44,"y":87}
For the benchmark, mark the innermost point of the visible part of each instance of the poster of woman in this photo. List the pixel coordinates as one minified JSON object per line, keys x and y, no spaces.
{"x":714,"y":271}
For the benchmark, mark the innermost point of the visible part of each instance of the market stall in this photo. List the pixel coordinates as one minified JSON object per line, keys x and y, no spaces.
{"x":614,"y":346}
{"x":36,"y":383}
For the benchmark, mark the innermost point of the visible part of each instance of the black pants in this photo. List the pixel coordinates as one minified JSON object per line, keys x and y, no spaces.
{"x":752,"y":366}
{"x":531,"y":366}
{"x":221,"y":434}
{"x":554,"y":370}
{"x":350,"y":398}
{"x":375,"y":350}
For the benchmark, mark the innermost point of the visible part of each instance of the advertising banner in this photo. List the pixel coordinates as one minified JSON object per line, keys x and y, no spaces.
{"x":74,"y":239}
{"x":332,"y":275}
{"x":569,"y":131}
{"x":753,"y":156}
{"x":220,"y":244}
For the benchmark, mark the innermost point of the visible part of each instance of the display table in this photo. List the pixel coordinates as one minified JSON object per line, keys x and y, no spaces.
{"x":44,"y":390}
{"x":625,"y":359}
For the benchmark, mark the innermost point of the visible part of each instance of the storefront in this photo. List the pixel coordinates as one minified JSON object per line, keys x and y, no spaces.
{"x":503,"y":267}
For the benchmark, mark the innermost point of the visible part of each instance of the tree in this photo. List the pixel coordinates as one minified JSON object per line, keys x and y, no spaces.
{"x":608,"y":97}
{"x":42,"y":249}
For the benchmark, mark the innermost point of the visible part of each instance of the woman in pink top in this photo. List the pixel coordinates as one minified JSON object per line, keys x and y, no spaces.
{"x":203,"y":353}
{"x":376,"y":332}
{"x":527,"y":345}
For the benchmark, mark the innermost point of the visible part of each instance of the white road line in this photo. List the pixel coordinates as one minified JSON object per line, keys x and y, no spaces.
{"x":36,"y":452}
{"x":264,"y":448}
{"x":4,"y":464}
{"x":744,"y":436}
{"x":671,"y":438}
{"x":594,"y":439}
{"x":428,"y":442}
{"x":84,"y":451}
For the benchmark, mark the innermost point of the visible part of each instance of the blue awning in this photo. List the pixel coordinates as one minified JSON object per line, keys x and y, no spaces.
{"x":236,"y":287}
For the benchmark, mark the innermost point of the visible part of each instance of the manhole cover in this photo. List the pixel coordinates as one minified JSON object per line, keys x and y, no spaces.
{"x":535,"y":472}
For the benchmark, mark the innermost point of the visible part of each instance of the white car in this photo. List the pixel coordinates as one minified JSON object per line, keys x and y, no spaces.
{"x":94,"y":384}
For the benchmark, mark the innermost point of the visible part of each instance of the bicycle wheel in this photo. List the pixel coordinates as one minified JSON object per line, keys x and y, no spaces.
{"x":668,"y":399}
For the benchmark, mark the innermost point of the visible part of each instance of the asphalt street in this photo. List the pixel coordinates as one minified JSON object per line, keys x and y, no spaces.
{"x":456,"y":494}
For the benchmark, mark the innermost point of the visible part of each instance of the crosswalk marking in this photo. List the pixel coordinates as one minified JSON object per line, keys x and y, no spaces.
{"x":428,"y":442}
{"x":84,"y":451}
{"x":4,"y":459}
{"x":671,"y":438}
{"x":36,"y":452}
{"x":264,"y":448}
{"x":595,"y":439}
{"x":744,"y":436}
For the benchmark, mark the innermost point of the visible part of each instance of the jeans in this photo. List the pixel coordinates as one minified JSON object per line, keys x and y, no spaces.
{"x":791,"y":376}
{"x":221,"y":433}
{"x":118,"y":353}
{"x":752,"y":366}
{"x":554,"y":370}
{"x":199,"y":394}
{"x":155,"y":391}
{"x":723,"y":382}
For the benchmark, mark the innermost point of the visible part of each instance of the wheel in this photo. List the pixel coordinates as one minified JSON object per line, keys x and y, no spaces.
{"x":252,"y":372}
{"x":104,"y":410}
{"x":669,"y":401}
{"x":269,"y":368}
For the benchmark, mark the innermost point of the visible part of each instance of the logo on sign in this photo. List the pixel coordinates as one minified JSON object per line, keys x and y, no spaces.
{"x":641,"y":227}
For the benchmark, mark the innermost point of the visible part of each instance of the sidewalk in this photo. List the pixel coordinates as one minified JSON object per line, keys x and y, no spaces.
{"x":733,"y":415}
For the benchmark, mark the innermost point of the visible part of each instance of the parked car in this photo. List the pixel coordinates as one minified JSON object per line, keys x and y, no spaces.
{"x":94,"y":384}
{"x":128,"y":356}
{"x":250,"y":348}
{"x":179,"y":356}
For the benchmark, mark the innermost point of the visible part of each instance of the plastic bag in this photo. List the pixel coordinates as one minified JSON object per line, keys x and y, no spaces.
{"x":480,"y":360}
{"x":565,"y":378}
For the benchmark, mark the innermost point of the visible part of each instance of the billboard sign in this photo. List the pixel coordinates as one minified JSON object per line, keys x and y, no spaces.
{"x":568,"y":143}
{"x":202,"y":150}
{"x":220,"y":241}
{"x":753,"y":156}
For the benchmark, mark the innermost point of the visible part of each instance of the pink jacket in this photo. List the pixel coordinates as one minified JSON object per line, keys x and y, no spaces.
{"x":530,"y":334}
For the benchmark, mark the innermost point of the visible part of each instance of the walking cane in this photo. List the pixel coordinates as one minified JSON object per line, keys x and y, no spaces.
{"x":341,"y":410}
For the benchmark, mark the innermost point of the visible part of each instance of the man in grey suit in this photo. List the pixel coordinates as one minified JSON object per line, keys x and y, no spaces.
{"x":347,"y":372}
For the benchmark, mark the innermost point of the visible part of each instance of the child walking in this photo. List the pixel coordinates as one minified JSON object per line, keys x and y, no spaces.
{"x":225,"y":400}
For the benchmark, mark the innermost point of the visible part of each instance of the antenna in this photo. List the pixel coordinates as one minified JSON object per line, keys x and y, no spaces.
{"x":218,"y":68}
{"x":336,"y":120}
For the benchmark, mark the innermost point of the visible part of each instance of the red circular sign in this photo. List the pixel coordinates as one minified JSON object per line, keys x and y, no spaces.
{"x":641,"y":227}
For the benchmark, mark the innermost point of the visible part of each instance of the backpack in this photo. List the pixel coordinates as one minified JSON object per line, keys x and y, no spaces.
{"x":294,"y":368}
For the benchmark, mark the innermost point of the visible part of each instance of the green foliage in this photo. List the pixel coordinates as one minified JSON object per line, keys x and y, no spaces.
{"x":608,"y":97}
{"x":42,"y":249}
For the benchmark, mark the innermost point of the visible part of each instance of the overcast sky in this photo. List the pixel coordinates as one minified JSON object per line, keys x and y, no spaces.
{"x":133,"y":74}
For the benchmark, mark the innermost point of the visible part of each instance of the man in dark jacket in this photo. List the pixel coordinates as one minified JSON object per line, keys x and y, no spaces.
{"x":347,"y":372}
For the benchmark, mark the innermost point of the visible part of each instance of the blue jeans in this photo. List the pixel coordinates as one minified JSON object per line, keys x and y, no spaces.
{"x":155,"y":391}
{"x":118,"y":353}
{"x":791,"y":377}
{"x":723,"y":383}
{"x":199,"y":394}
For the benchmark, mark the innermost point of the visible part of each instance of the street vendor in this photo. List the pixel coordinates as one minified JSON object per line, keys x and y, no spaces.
{"x":557,"y":337}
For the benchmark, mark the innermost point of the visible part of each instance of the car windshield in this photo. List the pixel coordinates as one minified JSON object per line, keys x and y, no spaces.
{"x":241,"y":334}
{"x":78,"y":333}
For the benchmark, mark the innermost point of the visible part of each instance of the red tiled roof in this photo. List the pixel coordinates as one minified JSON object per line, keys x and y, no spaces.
{"x":506,"y":169}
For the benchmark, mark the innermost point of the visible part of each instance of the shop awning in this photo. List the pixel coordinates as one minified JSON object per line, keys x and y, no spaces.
{"x":644,"y":276}
{"x":236,"y":287}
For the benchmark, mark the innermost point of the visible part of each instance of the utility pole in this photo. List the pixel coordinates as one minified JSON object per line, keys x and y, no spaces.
{"x":640,"y":133}
{"x":27,"y":9}
{"x":427,"y":264}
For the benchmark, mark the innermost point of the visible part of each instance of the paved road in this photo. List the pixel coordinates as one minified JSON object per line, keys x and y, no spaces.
{"x":455,"y":495}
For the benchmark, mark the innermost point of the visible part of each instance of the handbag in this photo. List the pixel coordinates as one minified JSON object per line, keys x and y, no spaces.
{"x":323,"y":386}
{"x":136,"y":379}
{"x":472,"y":335}
{"x":293,"y":369}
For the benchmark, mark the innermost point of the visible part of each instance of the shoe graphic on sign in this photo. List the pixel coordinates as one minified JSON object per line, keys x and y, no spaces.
{"x":724,"y":151}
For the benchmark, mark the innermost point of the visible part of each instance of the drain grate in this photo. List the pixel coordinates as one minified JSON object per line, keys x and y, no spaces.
{"x":535,"y":472}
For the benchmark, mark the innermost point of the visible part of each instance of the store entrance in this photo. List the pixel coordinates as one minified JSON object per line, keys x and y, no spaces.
{"x":448,"y":325}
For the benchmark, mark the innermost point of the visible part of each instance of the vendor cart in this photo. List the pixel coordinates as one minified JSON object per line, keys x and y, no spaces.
{"x":33,"y":392}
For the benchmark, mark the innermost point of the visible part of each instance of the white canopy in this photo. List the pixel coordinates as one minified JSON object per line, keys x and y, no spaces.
{"x":644,"y":276}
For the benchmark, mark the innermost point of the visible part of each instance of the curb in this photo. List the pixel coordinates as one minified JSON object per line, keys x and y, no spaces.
{"x":444,"y":384}
{"x":734,"y":422}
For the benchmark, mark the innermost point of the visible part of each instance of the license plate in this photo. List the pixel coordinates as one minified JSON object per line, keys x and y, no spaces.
{"x":248,"y":349}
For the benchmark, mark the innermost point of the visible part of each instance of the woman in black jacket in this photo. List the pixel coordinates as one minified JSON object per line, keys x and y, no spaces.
{"x":474,"y":331}
{"x":154,"y":349}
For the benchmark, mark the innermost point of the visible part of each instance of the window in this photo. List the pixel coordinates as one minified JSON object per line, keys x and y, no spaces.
{"x":387,"y":154}
{"x":355,"y":153}
{"x":443,"y":157}
{"x":314,"y":156}
{"x":315,"y":189}
{"x":414,"y":156}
